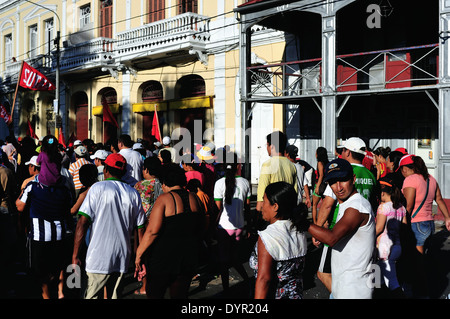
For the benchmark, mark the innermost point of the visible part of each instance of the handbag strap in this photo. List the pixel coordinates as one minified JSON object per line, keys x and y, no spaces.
{"x":426,"y":194}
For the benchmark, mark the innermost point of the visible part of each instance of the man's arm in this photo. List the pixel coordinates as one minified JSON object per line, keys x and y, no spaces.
{"x":351,"y":221}
{"x":80,"y":233}
{"x":324,"y":211}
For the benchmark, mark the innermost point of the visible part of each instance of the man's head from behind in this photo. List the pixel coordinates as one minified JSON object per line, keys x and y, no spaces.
{"x":354,"y":150}
{"x":276,"y":143}
{"x":115,"y":165}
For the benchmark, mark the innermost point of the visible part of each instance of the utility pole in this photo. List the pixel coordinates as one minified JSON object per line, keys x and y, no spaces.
{"x":57,"y":116}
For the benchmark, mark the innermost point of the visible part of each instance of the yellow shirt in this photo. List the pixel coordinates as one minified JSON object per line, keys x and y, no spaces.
{"x":276,"y":169}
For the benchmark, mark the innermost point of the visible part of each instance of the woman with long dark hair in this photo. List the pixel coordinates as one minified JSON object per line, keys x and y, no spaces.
{"x":322,"y":161}
{"x":420,"y":190}
{"x":392,"y":162}
{"x":391,"y":214}
{"x":279,"y":256}
{"x":232,"y":198}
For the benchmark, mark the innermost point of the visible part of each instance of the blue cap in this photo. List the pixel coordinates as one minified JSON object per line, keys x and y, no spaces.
{"x":338,"y":169}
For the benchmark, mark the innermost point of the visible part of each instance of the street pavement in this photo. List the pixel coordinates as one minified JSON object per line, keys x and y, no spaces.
{"x":21,"y":286}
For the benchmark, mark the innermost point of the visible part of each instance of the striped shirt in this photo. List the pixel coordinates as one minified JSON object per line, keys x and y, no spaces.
{"x":49,"y":207}
{"x":74,"y":170}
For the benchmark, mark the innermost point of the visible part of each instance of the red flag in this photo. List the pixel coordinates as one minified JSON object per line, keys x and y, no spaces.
{"x":32,"y":79}
{"x":107,"y":114}
{"x":156,"y":132}
{"x":61,"y":139}
{"x":30,"y":131}
{"x":72,"y":139}
{"x":4,"y":114}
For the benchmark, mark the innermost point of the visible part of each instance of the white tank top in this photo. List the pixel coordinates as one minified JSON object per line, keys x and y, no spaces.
{"x":351,"y":257}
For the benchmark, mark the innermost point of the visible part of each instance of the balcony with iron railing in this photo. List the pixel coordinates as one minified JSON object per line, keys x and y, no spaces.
{"x":383,"y":70}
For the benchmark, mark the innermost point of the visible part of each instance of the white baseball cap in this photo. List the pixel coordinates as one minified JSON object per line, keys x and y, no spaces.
{"x":166,"y":140}
{"x":355,"y":144}
{"x":77,"y":143}
{"x":138,"y":146}
{"x":100,"y":154}
{"x":33,"y":161}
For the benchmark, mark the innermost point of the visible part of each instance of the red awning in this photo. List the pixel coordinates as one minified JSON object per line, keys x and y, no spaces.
{"x":249,"y":2}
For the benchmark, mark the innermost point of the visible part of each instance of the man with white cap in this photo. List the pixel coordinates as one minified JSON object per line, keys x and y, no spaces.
{"x":166,"y":145}
{"x":354,"y":151}
{"x":33,"y":169}
{"x":99,"y":158}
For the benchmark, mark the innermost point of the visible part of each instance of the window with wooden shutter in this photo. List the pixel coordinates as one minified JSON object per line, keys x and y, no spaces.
{"x":187,"y":6}
{"x":156,"y":10}
{"x":106,"y":18}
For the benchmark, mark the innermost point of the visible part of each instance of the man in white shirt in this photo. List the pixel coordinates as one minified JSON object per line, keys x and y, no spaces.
{"x":134,"y":160}
{"x":113,"y":209}
{"x":352,"y":238}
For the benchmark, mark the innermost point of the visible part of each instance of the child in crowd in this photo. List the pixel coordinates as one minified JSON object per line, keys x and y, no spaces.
{"x":390,"y":216}
{"x":50,"y":161}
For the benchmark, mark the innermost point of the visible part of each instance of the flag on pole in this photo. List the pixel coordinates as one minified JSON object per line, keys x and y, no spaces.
{"x":4,"y":114}
{"x":107,"y":114}
{"x":30,"y":131}
{"x":32,"y":79}
{"x":61,"y":138}
{"x":72,"y":139}
{"x":156,"y":132}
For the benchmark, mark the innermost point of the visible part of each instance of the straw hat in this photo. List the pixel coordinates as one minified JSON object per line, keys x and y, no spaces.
{"x":205,"y":153}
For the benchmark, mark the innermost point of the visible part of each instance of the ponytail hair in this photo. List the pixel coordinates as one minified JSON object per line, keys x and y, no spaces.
{"x":389,"y":187}
{"x":230,"y":163}
{"x":420,"y":167}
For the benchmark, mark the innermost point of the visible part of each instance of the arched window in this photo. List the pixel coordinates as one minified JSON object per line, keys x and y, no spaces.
{"x":152,"y":92}
{"x":190,"y":86}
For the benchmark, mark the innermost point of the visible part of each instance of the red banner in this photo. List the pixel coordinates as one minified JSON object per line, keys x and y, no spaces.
{"x":32,"y":79}
{"x":4,"y":114}
{"x":30,"y":131}
{"x":107,"y":114}
{"x":156,"y":132}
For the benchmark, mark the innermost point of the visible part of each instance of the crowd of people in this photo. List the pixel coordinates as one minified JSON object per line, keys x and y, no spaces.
{"x":95,"y":207}
{"x":369,"y":208}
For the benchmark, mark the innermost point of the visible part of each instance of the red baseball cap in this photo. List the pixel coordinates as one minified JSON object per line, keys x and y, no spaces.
{"x":116,"y":160}
{"x":401,"y":150}
{"x":405,"y":160}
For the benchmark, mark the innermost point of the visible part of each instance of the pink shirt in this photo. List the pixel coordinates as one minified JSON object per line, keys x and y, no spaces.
{"x":195,"y":174}
{"x":417,"y":182}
